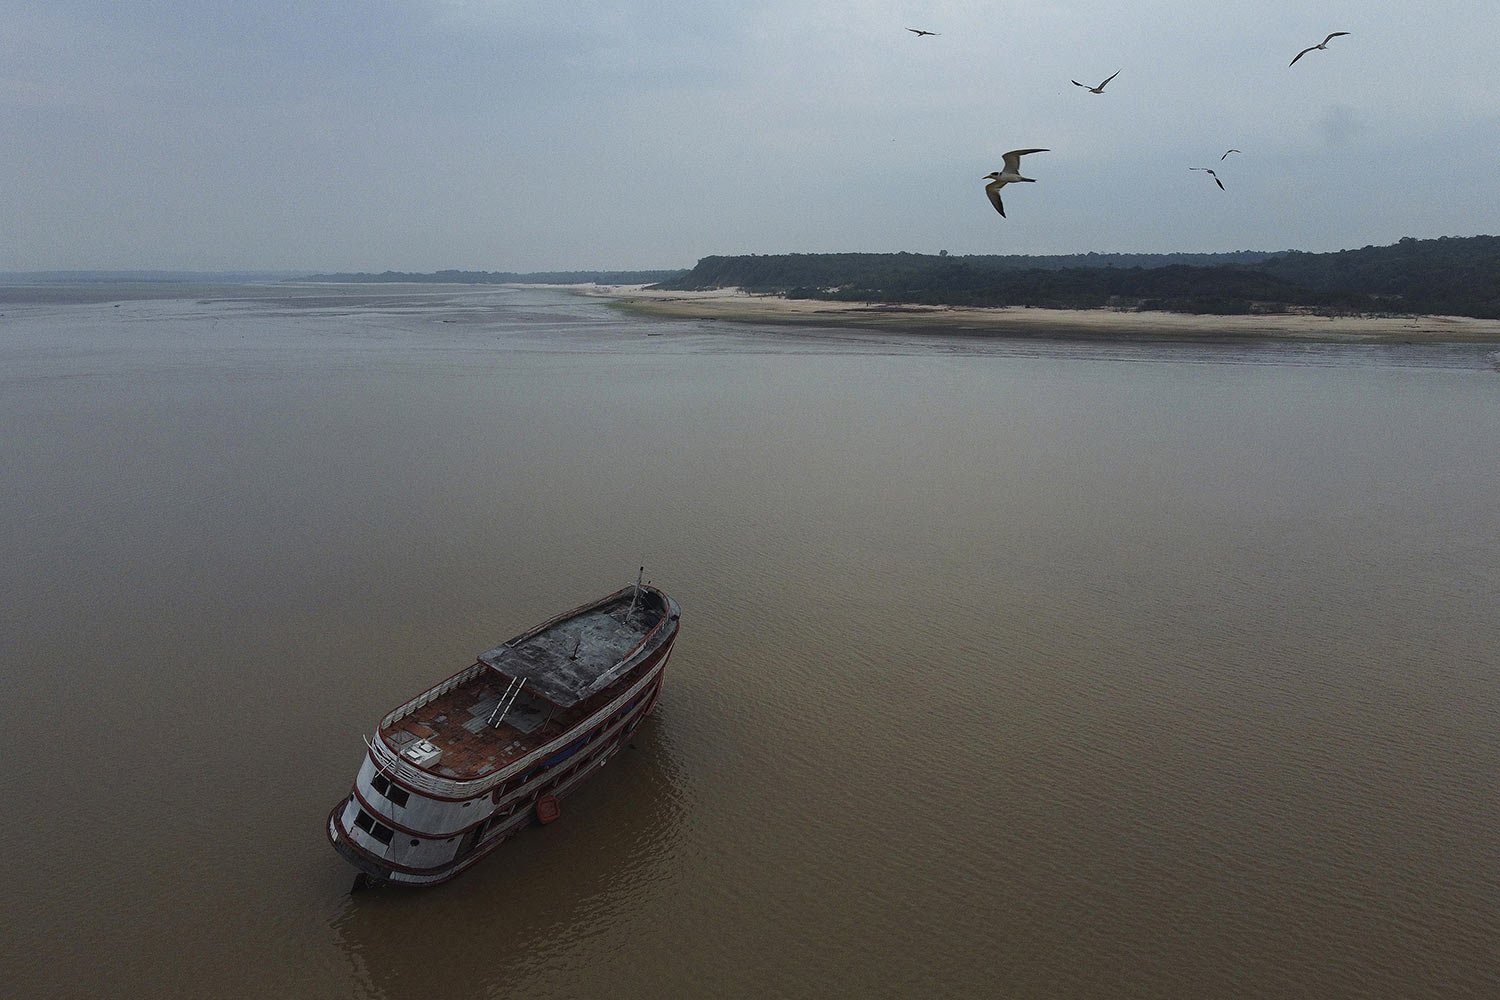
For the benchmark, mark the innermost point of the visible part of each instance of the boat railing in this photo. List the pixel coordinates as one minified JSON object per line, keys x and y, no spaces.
{"x":650,"y":633}
{"x":432,"y":694}
{"x":389,"y":761}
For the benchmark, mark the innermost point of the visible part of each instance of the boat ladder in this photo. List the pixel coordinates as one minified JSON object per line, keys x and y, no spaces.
{"x":503,"y":705}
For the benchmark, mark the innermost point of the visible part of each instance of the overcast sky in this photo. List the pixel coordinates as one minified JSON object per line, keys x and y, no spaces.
{"x":500,"y":135}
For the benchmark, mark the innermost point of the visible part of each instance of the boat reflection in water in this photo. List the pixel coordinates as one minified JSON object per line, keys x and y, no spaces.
{"x":516,"y":921}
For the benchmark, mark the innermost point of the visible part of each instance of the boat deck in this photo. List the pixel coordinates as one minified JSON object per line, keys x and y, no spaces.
{"x":457,"y":723}
{"x":563,"y":663}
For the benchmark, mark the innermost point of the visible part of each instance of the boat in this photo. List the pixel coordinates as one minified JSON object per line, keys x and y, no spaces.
{"x":455,"y":771}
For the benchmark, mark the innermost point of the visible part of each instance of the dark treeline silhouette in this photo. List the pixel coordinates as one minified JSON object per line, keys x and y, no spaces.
{"x":506,"y":277}
{"x":1452,"y":275}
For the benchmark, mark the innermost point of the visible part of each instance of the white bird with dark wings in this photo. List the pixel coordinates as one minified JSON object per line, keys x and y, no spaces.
{"x":1099,"y":89}
{"x":1010,"y":175}
{"x":1315,"y":48}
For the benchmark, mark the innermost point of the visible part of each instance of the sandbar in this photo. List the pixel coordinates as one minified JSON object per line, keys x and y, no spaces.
{"x":736,"y":305}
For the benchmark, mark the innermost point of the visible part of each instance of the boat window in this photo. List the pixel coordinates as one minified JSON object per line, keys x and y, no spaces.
{"x":379,"y":831}
{"x":399,"y":796}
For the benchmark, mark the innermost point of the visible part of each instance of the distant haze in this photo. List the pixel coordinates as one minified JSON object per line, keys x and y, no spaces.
{"x":435,"y":134}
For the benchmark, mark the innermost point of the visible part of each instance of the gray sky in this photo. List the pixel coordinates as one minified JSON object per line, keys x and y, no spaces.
{"x":503,"y":135}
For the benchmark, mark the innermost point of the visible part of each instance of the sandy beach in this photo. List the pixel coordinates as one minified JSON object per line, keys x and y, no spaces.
{"x":736,"y":305}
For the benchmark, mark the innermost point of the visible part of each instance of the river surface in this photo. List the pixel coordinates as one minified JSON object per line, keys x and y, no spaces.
{"x":1007,"y":668}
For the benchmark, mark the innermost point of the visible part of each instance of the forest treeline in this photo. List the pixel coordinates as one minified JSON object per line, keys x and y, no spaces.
{"x":1457,"y":276}
{"x":506,"y":277}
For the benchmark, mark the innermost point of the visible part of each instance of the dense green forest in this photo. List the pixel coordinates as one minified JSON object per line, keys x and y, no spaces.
{"x":1453,"y":275}
{"x":507,"y":277}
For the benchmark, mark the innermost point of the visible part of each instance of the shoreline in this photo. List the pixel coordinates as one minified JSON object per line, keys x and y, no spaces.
{"x":736,"y":306}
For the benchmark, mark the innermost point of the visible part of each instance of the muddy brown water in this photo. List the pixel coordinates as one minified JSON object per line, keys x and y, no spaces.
{"x":1007,"y":669}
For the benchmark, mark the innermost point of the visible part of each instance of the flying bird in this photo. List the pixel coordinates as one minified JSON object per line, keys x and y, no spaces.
{"x":1226,"y":154}
{"x":1099,"y":89}
{"x":1213,"y":175}
{"x":1010,"y":175}
{"x":919,"y":32}
{"x":1321,"y":45}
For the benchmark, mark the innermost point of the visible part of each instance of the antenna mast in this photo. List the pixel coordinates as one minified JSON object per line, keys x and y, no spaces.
{"x":637,"y":595}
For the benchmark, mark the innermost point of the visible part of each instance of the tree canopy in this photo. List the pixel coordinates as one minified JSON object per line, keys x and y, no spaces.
{"x":1451,"y":275}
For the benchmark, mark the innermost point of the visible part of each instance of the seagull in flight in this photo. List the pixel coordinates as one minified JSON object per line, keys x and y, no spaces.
{"x":1010,"y":175}
{"x":919,"y":32}
{"x":1213,"y":175}
{"x":1226,"y":154}
{"x":1311,"y":48}
{"x":1099,"y":89}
